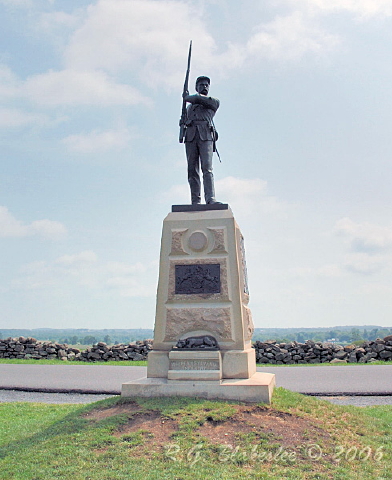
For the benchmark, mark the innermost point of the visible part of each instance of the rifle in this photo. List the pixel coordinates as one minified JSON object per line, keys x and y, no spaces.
{"x":183,"y":112}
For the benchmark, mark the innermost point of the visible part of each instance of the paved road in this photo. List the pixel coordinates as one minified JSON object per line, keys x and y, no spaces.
{"x":68,"y":378}
{"x":333,"y":380}
{"x":356,"y":401}
{"x":57,"y":398}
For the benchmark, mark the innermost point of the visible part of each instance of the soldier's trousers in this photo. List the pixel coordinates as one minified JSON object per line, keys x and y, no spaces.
{"x":199,"y":153}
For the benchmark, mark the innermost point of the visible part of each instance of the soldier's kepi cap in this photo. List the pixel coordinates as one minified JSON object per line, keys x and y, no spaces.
{"x":200,"y":79}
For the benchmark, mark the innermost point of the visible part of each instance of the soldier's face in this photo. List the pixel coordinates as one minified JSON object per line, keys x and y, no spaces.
{"x":202,"y":88}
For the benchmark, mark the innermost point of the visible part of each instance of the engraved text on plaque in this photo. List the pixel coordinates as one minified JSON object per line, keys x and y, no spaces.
{"x":194,"y":365}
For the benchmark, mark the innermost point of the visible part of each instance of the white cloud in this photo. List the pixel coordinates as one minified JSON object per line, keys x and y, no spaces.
{"x":85,"y":269}
{"x":290,"y":38}
{"x":52,"y":21}
{"x":146,"y":36}
{"x":118,"y":268}
{"x":9,"y":83}
{"x":331,"y":270}
{"x":146,"y":41}
{"x":75,"y":87}
{"x":100,"y":141}
{"x":364,"y":264}
{"x":362,"y":8}
{"x":369,"y":245}
{"x":35,"y":275}
{"x":240,"y":186}
{"x":379,"y":289}
{"x":11,"y":227}
{"x":47,"y":228}
{"x":13,"y":118}
{"x":150,"y":37}
{"x":129,"y":287}
{"x":364,"y":237}
{"x":69,"y":87}
{"x":250,"y":196}
{"x":87,"y":256}
{"x":177,"y":195}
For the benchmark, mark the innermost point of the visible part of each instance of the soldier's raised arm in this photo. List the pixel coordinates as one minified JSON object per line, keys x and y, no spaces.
{"x":208,"y":102}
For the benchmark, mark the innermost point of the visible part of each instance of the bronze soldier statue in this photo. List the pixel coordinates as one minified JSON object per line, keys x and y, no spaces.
{"x":200,"y":137}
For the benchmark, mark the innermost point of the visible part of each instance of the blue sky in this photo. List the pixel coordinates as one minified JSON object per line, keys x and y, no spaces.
{"x":90,"y":97}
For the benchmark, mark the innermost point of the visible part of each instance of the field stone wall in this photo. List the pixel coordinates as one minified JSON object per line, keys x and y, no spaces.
{"x":266,"y":352}
{"x":30,"y":348}
{"x":323,"y":352}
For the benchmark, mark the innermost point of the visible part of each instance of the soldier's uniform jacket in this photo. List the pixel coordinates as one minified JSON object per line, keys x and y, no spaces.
{"x":200,"y":113}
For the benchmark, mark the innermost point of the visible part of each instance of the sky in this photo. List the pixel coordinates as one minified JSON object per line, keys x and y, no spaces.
{"x":90,"y":98}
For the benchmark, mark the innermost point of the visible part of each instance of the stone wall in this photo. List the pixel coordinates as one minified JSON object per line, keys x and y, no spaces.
{"x":31,"y":348}
{"x":266,"y":352}
{"x":317,"y":352}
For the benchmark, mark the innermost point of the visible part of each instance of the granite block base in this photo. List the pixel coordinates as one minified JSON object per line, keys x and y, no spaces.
{"x":256,"y":389}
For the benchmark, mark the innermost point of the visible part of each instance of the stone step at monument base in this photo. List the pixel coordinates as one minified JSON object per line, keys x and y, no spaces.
{"x":197,"y":375}
{"x":256,"y":389}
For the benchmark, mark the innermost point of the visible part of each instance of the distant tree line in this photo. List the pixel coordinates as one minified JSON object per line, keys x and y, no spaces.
{"x":336,"y":335}
{"x":93,"y":339}
{"x":341,"y":334}
{"x":81,"y":336}
{"x":88,"y":340}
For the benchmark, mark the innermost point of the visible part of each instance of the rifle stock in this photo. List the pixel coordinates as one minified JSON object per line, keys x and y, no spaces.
{"x":183,"y":111}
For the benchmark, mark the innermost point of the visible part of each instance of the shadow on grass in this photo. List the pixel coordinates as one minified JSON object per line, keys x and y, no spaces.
{"x":70,"y":424}
{"x":95,"y":431}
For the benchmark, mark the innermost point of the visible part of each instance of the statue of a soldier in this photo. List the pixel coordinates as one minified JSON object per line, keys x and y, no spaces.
{"x":200,"y":138}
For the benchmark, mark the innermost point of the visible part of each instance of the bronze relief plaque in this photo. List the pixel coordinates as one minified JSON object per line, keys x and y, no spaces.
{"x":197,"y":279}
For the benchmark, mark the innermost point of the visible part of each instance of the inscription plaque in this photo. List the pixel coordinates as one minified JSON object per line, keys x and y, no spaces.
{"x":196,"y":279}
{"x":194,"y":365}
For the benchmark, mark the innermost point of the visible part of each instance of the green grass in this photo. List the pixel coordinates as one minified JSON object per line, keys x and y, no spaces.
{"x":48,"y":442}
{"x":122,"y":363}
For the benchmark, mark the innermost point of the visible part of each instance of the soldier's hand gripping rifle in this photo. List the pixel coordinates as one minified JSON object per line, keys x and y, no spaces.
{"x":184,"y":94}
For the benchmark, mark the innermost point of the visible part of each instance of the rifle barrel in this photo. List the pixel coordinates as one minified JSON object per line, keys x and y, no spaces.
{"x":183,"y":111}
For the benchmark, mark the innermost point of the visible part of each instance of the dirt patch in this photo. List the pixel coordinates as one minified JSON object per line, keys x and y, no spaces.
{"x":250,"y":424}
{"x":152,"y":422}
{"x":159,"y":427}
{"x":101,"y":413}
{"x":265,"y":424}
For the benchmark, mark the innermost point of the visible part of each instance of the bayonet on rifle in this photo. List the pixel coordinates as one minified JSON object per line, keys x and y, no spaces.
{"x":183,"y":112}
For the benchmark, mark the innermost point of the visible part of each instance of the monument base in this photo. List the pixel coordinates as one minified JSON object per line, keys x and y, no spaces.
{"x":203,"y":325}
{"x":234,"y":364}
{"x":256,"y":389}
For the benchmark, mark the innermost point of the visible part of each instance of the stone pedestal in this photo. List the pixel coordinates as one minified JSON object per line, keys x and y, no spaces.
{"x":203,"y":291}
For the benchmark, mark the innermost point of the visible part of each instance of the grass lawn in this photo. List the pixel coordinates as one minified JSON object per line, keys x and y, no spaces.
{"x":296,"y":438}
